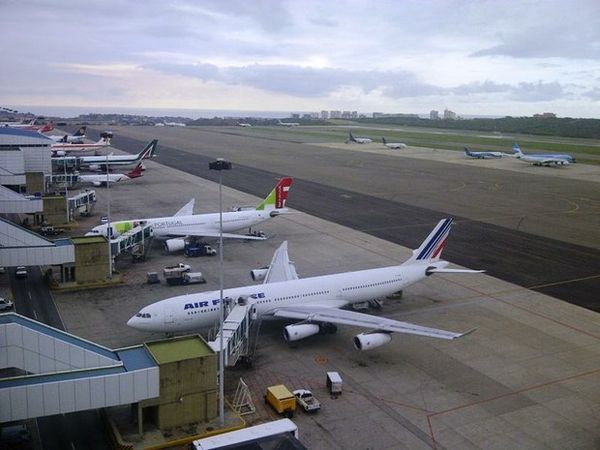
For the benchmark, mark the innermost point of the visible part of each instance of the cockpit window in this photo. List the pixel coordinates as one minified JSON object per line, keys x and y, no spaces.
{"x":143,"y":315}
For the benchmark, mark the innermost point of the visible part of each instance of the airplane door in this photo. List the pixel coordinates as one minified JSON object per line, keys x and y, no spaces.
{"x":169,"y":319}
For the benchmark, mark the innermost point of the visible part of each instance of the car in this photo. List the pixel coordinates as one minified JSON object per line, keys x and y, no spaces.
{"x":5,"y":304}
{"x":104,"y":219}
{"x":307,"y":400}
{"x":51,"y":231}
{"x":21,"y":272}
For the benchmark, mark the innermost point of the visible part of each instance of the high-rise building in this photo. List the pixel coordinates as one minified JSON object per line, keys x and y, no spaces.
{"x":324,"y":115}
{"x":434,"y":115}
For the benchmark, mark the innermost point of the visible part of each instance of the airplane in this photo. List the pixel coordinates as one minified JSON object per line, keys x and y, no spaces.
{"x":242,"y":124}
{"x":31,"y":125}
{"x":543,"y":159}
{"x":393,"y":145}
{"x":314,"y":301}
{"x":62,"y":148}
{"x":482,"y":155}
{"x":288,"y":124}
{"x":75,"y":138}
{"x":101,"y":179}
{"x":174,"y":124}
{"x":185,"y":223}
{"x":358,"y":140}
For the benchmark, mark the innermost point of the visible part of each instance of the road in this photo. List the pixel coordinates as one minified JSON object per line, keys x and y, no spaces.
{"x":82,"y":430}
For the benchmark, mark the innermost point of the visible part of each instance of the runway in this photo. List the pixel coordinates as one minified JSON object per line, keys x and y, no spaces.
{"x":367,"y":193}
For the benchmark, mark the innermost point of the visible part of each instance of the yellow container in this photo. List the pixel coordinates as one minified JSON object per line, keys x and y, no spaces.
{"x":281,"y":399}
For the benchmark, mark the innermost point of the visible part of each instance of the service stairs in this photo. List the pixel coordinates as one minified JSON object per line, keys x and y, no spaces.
{"x":237,"y":332}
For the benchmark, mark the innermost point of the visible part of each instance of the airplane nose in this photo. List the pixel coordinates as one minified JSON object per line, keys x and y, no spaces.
{"x":132,"y":322}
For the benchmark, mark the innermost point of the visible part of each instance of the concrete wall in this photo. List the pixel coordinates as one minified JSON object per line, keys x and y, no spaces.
{"x":91,"y":261}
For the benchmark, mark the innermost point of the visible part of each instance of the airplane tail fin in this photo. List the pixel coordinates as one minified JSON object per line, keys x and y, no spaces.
{"x":351,"y":137}
{"x":277,"y":197}
{"x":149,"y":150}
{"x":187,"y":209}
{"x":137,"y":172}
{"x":384,"y":141}
{"x":48,"y":127}
{"x":81,"y":131}
{"x":105,"y":138}
{"x":432,"y":246}
{"x":517,"y":149}
{"x":467,"y":151}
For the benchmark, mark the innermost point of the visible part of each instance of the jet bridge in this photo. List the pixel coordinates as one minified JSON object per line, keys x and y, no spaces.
{"x":237,"y":332}
{"x":134,"y":241}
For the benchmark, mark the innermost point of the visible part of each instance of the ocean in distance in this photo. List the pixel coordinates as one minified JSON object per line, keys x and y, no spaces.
{"x":75,"y":111}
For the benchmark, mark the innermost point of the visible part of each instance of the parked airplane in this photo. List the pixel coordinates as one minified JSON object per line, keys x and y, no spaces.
{"x":62,"y":148}
{"x":314,"y":301}
{"x":104,"y":179}
{"x":393,"y":145}
{"x":101,"y":162}
{"x":174,"y":124}
{"x":482,"y":155}
{"x":75,"y":138}
{"x":358,"y":140}
{"x":245,"y":125}
{"x":185,"y":223}
{"x":288,"y":124}
{"x":31,"y":125}
{"x":543,"y":159}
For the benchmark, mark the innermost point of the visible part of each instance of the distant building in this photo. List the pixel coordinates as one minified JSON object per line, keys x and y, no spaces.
{"x":324,"y":115}
{"x":295,"y":116}
{"x":355,"y":114}
{"x":378,"y":114}
{"x":434,"y":115}
{"x":546,"y":115}
{"x":449,"y":115}
{"x":335,"y":114}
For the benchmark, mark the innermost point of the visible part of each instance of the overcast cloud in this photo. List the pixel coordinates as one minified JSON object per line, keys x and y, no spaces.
{"x":474,"y":57}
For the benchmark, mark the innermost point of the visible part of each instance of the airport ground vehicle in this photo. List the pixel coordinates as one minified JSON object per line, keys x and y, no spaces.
{"x":334,"y":383}
{"x":281,"y":400}
{"x":307,"y":400}
{"x":5,"y":304}
{"x":175,"y":274}
{"x":51,"y":231}
{"x":193,"y":277}
{"x":21,"y":272}
{"x":198,"y":249}
{"x":152,"y":278}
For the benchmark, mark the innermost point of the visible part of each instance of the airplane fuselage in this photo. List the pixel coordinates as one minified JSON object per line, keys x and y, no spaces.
{"x":197,"y":311}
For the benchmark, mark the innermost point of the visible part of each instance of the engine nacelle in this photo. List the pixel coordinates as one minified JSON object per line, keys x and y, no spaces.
{"x":296,"y":332}
{"x":94,"y":167}
{"x":97,"y":183}
{"x":59,"y":153}
{"x":174,"y":245}
{"x":364,"y":342}
{"x":259,"y":274}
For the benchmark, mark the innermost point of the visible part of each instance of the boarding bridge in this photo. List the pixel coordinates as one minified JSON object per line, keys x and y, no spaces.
{"x":134,"y":241}
{"x":236,"y":332}
{"x":67,"y":179}
{"x":83,"y":203}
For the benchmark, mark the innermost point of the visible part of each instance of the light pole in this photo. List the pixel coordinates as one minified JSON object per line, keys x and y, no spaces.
{"x":220,"y":165}
{"x":108,"y":227}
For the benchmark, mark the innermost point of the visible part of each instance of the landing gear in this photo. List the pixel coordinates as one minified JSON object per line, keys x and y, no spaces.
{"x":327,"y":328}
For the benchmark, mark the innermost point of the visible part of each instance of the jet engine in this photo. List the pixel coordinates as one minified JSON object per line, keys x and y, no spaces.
{"x":296,"y":332}
{"x":95,"y":167}
{"x":370,"y":341}
{"x":174,"y":245}
{"x":259,"y":274}
{"x":59,"y":153}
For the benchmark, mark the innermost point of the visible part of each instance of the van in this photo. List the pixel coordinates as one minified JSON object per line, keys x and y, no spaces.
{"x":334,"y":383}
{"x":281,"y":399}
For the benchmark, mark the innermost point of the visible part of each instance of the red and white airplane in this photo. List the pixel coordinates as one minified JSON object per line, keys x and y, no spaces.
{"x":62,"y":148}
{"x":31,"y":125}
{"x":104,"y":179}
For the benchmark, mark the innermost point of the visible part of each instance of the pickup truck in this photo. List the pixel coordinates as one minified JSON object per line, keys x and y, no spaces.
{"x":178,"y":268}
{"x":307,"y":400}
{"x":51,"y":231}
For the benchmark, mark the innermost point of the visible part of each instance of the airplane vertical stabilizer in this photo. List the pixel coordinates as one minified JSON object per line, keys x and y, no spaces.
{"x":431,"y":248}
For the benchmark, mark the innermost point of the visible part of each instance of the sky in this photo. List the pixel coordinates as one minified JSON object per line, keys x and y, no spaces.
{"x":474,"y":57}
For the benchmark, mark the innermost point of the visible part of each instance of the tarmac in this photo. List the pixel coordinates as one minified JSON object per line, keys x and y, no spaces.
{"x":528,"y":377}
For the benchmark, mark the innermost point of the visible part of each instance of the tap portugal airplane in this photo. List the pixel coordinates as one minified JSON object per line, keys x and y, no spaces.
{"x":314,"y":301}
{"x":185,"y":223}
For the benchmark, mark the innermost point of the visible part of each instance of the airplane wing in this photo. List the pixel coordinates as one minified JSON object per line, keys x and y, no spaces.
{"x":373,"y":323}
{"x":281,"y":268}
{"x":199,"y":232}
{"x":187,"y":209}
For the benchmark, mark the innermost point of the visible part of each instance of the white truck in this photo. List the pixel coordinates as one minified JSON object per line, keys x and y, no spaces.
{"x":174,"y":274}
{"x":193,"y":277}
{"x":307,"y":400}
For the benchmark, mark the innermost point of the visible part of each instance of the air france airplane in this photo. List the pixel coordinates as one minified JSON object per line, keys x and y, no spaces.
{"x":393,"y":145}
{"x":185,"y":223}
{"x":314,"y":301}
{"x":358,"y":140}
{"x":482,"y":155}
{"x":538,"y":159}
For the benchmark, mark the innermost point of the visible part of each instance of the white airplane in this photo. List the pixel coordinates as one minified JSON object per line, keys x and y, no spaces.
{"x":358,"y":140}
{"x":174,"y":124}
{"x":393,"y":145}
{"x":245,"y":125}
{"x":288,"y":124}
{"x":549,"y":159}
{"x":314,"y":301}
{"x":62,"y":148}
{"x":185,"y":223}
{"x":483,"y":155}
{"x":104,"y":179}
{"x":75,"y":138}
{"x":101,"y":162}
{"x":32,"y":125}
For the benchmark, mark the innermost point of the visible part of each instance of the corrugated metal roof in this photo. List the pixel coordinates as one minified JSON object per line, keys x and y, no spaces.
{"x":15,"y":136}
